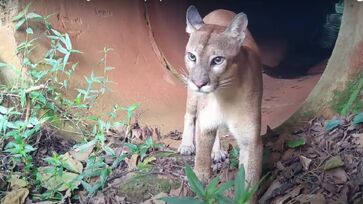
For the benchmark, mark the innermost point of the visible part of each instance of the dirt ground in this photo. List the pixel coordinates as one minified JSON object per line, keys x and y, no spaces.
{"x":325,"y":168}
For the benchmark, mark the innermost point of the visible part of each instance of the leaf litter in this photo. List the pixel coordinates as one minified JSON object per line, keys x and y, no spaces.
{"x":328,"y":168}
{"x":314,"y":164}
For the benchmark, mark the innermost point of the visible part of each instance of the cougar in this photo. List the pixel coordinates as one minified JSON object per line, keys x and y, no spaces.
{"x":224,"y":90}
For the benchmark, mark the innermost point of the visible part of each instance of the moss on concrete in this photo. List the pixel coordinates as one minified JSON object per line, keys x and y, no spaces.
{"x":349,"y":99}
{"x":142,"y":187}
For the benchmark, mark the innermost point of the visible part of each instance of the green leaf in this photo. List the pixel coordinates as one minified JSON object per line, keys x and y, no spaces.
{"x":3,"y":110}
{"x":223,"y":187}
{"x":19,"y":24}
{"x":181,"y":200}
{"x":240,"y":184}
{"x":195,"y":184}
{"x":132,"y":147}
{"x":2,"y":65}
{"x":94,"y":117}
{"x":20,"y":15}
{"x":253,"y":190}
{"x":331,"y":124}
{"x":108,"y":150}
{"x":71,"y":164}
{"x":33,"y":15}
{"x":22,"y":98}
{"x":87,"y":186}
{"x":333,"y":163}
{"x":29,"y":30}
{"x":68,"y":42}
{"x":133,"y":107}
{"x":295,"y":143}
{"x":358,"y":118}
{"x":223,"y":200}
{"x":149,"y":141}
{"x":56,"y":182}
{"x":212,"y":186}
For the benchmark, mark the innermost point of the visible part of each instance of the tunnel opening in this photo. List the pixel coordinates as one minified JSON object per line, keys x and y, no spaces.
{"x":148,"y":40}
{"x":295,"y":38}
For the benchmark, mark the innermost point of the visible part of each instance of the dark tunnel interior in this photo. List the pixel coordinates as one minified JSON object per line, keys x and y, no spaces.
{"x":302,"y":32}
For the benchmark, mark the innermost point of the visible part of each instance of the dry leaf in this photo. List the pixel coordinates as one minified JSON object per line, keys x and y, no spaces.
{"x":133,"y":161}
{"x":82,"y":154}
{"x":17,"y":196}
{"x":51,"y":181}
{"x":72,"y":164}
{"x":305,"y":162}
{"x":16,"y":182}
{"x":155,"y":199}
{"x":313,"y":199}
{"x":333,"y":162}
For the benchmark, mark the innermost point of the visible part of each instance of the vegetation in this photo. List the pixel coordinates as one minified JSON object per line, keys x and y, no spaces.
{"x":36,"y":102}
{"x":214,"y":193}
{"x":349,"y":99}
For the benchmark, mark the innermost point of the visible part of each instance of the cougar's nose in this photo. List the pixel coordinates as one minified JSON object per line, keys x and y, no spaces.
{"x":200,"y":83}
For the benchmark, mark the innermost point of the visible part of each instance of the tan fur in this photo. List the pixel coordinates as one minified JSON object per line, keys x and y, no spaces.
{"x":237,"y":106}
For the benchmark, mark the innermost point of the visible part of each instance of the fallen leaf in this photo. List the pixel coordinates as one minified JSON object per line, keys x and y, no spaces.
{"x":57,"y":182}
{"x":338,"y":175}
{"x":17,"y":196}
{"x":269,"y":192}
{"x":333,"y":162}
{"x":359,"y":139}
{"x":16,"y":182}
{"x":290,"y":195}
{"x":72,"y":164}
{"x":308,"y":198}
{"x":305,"y":162}
{"x":358,"y":118}
{"x":295,"y":143}
{"x":82,"y":152}
{"x":331,"y":124}
{"x":133,"y":161}
{"x":155,"y":199}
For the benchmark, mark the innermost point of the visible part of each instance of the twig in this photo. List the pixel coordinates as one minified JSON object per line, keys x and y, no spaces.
{"x":35,"y":88}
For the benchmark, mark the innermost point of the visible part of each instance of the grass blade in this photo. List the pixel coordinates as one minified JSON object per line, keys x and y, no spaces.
{"x":195,"y":184}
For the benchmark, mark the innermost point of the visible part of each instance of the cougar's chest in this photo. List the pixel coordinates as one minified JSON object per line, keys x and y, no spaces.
{"x":210,"y":114}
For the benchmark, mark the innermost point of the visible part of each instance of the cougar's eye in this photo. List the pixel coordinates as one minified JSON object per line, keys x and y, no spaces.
{"x":191,"y":57}
{"x":217,"y":60}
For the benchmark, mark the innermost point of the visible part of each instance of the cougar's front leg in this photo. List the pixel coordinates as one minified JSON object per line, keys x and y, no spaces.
{"x":247,"y":135}
{"x":187,"y":145}
{"x":218,"y":153}
{"x":204,"y":145}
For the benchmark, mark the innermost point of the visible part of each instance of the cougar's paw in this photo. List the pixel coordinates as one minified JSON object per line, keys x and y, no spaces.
{"x":219,"y":156}
{"x":186,"y":149}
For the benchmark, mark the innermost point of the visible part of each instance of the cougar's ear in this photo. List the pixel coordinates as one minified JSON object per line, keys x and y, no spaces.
{"x":194,"y":21}
{"x":238,"y":27}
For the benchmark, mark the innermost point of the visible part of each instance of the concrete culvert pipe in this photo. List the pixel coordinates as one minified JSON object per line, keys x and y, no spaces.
{"x":148,"y":40}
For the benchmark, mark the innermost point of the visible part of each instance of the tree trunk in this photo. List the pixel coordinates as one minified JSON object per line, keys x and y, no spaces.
{"x":345,"y":65}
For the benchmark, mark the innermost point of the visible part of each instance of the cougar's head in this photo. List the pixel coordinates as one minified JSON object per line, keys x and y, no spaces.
{"x":212,"y":50}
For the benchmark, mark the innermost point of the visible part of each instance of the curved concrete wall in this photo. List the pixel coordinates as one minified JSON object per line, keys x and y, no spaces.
{"x":148,"y":38}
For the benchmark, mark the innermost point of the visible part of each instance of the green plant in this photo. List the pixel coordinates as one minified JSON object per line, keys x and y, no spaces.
{"x":294,"y":143}
{"x":148,"y":145}
{"x":233,"y":158}
{"x":212,"y":193}
{"x":37,"y":101}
